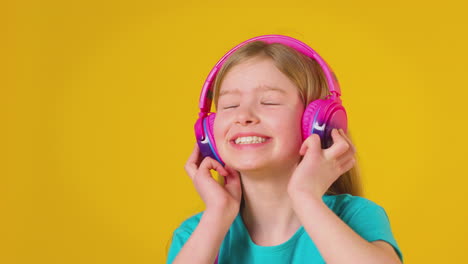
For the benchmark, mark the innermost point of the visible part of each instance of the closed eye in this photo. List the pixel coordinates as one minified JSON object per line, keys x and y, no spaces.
{"x":269,"y":104}
{"x":232,"y":106}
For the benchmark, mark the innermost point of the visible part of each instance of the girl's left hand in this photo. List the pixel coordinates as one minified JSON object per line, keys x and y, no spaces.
{"x":320,"y":168}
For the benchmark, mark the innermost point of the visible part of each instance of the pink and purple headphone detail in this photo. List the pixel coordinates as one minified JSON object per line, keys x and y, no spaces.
{"x":320,"y":116}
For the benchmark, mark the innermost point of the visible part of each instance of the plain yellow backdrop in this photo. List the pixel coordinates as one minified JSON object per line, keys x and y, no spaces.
{"x":98,"y":101}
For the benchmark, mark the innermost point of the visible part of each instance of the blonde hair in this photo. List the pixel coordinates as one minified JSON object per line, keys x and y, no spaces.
{"x":308,"y":76}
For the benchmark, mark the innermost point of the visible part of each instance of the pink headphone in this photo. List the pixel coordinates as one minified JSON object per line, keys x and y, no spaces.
{"x":320,"y":116}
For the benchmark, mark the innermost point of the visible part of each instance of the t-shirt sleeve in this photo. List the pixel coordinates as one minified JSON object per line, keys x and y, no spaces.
{"x":371,"y":222}
{"x":179,"y":238}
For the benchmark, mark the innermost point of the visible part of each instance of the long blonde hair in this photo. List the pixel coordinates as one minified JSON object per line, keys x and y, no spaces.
{"x":308,"y":76}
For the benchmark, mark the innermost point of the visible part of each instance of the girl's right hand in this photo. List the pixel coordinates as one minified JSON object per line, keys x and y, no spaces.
{"x":220,"y":199}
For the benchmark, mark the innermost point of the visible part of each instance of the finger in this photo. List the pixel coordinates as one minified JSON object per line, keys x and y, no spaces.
{"x":340,"y":146}
{"x":211,"y":164}
{"x":346,"y":156}
{"x":313,"y":143}
{"x":233,"y":183}
{"x":346,"y":166}
{"x":230,"y":171}
{"x":346,"y":137}
{"x":193,"y":161}
{"x":195,"y":156}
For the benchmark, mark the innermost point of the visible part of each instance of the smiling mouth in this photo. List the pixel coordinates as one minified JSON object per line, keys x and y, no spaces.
{"x":250,"y":140}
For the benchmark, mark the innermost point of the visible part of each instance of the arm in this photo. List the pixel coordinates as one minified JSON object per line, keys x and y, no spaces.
{"x":336,"y":241}
{"x":203,"y":245}
{"x":222,"y":205}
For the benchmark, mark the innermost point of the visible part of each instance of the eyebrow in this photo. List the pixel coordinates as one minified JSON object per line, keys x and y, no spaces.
{"x":262,"y":87}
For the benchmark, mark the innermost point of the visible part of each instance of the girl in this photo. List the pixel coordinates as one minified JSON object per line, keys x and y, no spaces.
{"x":285,"y":199}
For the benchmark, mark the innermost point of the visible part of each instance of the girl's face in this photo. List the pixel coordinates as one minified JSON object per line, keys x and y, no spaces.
{"x":258,"y":118}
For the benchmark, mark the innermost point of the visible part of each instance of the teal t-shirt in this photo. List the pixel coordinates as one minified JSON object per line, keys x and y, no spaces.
{"x":365,"y":217}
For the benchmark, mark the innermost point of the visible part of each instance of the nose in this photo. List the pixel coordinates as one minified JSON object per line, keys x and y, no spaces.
{"x":246,"y":116}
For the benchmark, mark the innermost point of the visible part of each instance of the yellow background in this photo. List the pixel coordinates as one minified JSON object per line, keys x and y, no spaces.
{"x":98,"y":101}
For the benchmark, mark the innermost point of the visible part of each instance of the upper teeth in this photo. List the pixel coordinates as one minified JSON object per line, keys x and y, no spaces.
{"x":249,"y":140}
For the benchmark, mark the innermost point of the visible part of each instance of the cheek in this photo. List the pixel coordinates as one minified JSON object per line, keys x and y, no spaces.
{"x":292,"y":119}
{"x":217,"y":130}
{"x":293,"y":127}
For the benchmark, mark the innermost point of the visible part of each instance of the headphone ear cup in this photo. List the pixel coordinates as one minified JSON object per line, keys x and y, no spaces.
{"x":320,"y":117}
{"x":310,"y":114}
{"x":205,"y":137}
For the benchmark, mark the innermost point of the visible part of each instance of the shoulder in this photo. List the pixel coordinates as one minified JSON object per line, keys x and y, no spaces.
{"x":188,"y":225}
{"x":181,"y":234}
{"x":365,"y":217}
{"x":346,"y":205}
{"x":340,"y":201}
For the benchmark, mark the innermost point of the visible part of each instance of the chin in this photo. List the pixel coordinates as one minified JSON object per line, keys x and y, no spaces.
{"x":251,"y":165}
{"x":243,"y":166}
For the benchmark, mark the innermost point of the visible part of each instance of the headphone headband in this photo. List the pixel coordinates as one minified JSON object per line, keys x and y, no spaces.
{"x":206,"y":95}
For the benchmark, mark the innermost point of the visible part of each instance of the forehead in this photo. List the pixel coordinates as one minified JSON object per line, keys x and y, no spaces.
{"x":260,"y":88}
{"x":256,"y":75}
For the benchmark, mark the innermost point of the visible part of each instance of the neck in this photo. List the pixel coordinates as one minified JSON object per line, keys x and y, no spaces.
{"x":267,"y":212}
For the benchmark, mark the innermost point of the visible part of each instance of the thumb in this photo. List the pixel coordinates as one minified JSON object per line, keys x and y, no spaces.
{"x":311,"y":144}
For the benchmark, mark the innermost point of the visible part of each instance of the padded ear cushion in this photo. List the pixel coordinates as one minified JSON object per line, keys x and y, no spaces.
{"x":210,"y":124}
{"x":308,"y":117}
{"x":210,"y":134}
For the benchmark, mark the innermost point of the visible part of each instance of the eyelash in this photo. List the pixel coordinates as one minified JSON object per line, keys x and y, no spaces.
{"x":228,"y":107}
{"x":234,"y":106}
